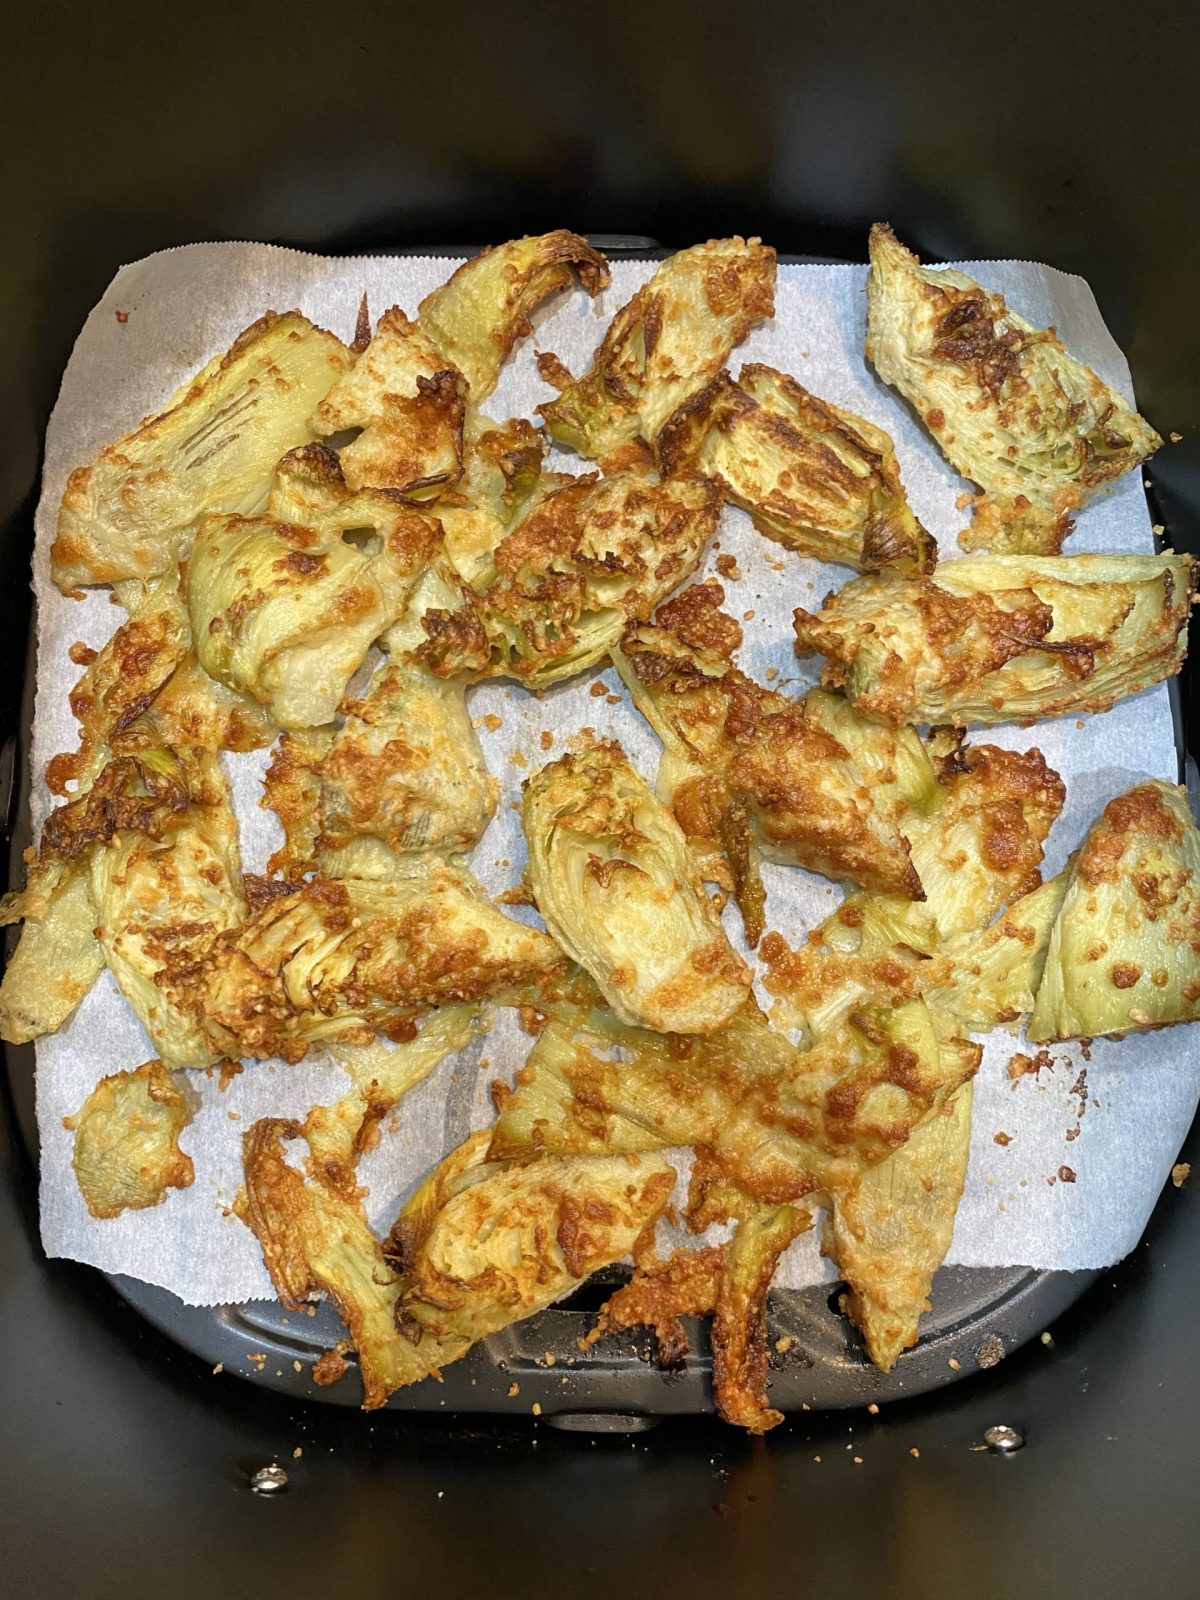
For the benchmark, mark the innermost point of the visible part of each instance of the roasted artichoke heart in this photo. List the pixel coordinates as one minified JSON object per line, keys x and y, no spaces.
{"x":980,"y":847}
{"x":620,"y":890}
{"x":475,"y":1249}
{"x":1039,"y":432}
{"x":889,"y":1232}
{"x":409,"y":403}
{"x":479,"y":313}
{"x":146,"y":690}
{"x":816,"y":479}
{"x":1124,"y":952}
{"x":127,"y":1153}
{"x":481,"y":1247}
{"x":345,"y":959}
{"x":131,"y":514}
{"x":287,"y":614}
{"x":404,"y":767}
{"x":161,"y":897}
{"x":751,"y":772}
{"x":664,"y":345}
{"x":1004,"y":638}
{"x":585,"y":561}
{"x":56,"y":961}
{"x":778,"y":1123}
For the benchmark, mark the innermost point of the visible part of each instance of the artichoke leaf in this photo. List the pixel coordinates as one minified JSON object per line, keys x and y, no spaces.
{"x":55,"y":963}
{"x":889,"y":1232}
{"x":739,"y":1330}
{"x":476,"y":317}
{"x":409,"y":404}
{"x":381,"y":1074}
{"x":990,"y":976}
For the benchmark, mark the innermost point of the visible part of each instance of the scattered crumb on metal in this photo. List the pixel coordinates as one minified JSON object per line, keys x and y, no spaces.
{"x":1180,"y":1173}
{"x":991,"y":1352}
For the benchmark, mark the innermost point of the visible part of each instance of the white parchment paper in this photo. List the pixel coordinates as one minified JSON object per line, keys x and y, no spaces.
{"x":1117,"y":1132}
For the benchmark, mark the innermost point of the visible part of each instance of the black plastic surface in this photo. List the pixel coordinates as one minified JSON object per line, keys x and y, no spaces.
{"x":1066,"y":134}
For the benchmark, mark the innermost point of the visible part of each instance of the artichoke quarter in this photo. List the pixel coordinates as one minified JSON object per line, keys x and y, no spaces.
{"x":476,"y":317}
{"x":753,"y":774}
{"x":340,"y":960}
{"x":286,"y":613}
{"x":586,"y":560}
{"x":815,"y":478}
{"x":1038,"y":431}
{"x":664,"y":345}
{"x":127,"y":1154}
{"x":619,"y":889}
{"x":409,"y":404}
{"x":988,"y":639}
{"x":405,"y":767}
{"x":132,"y":512}
{"x":1124,"y":952}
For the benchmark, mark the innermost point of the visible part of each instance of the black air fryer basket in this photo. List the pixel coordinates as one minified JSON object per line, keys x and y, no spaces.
{"x":1062,"y":1466}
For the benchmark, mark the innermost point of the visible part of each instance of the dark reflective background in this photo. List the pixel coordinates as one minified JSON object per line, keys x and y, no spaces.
{"x":1062,"y":132}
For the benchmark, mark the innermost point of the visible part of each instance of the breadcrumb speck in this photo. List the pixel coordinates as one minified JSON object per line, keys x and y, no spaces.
{"x":297,"y":1453}
{"x":954,"y":1364}
{"x":1180,"y":1173}
{"x":873,"y":1409}
{"x":514,"y":1389}
{"x":536,"y":1409}
{"x":914,"y":1452}
{"x":220,"y":1367}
